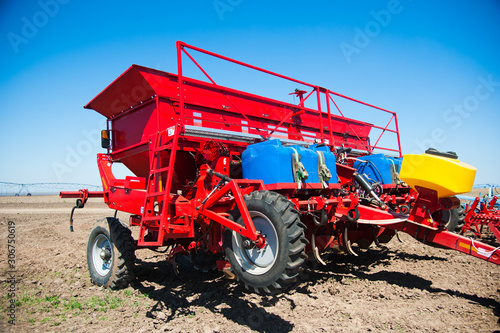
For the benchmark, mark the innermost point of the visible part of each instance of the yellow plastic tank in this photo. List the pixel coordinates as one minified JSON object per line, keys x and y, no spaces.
{"x":447,"y":176}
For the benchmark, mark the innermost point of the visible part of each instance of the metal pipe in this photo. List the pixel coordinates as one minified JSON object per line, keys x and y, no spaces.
{"x":368,"y":188}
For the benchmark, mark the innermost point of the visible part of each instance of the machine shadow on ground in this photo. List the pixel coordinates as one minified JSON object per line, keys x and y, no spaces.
{"x":340,"y":266}
{"x":189,"y":292}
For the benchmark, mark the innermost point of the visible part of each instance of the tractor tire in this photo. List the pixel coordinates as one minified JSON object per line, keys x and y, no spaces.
{"x":275,"y":267}
{"x":455,"y":219}
{"x":110,"y":254}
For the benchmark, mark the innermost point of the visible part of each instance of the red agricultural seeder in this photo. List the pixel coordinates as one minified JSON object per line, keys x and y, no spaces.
{"x":233,"y":180}
{"x":479,"y":214}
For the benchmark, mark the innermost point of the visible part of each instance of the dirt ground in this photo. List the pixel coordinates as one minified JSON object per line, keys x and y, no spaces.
{"x":406,"y":287}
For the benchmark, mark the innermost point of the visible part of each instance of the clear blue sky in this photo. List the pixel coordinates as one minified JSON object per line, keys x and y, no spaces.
{"x":436,"y":63}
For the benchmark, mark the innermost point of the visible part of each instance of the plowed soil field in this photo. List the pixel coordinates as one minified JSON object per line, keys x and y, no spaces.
{"x":405,"y":287}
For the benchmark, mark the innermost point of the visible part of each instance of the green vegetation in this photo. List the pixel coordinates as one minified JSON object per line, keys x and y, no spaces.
{"x":48,"y":302}
{"x":55,"y":308}
{"x":30,"y":300}
{"x":73,"y":304}
{"x":53,"y":300}
{"x":103,"y":303}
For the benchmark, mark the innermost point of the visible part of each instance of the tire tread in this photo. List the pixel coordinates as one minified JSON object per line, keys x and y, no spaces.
{"x":296,"y":240}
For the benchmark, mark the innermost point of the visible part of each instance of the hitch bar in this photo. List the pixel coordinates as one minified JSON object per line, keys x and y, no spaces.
{"x":82,"y":197}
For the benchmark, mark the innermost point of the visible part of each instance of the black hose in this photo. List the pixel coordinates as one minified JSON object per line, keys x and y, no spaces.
{"x":353,"y":215}
{"x":322,"y":220}
{"x":376,"y":169}
{"x":71,"y":219}
{"x":79,"y":204}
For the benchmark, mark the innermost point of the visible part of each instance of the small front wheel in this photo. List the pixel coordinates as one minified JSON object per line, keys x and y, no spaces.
{"x":110,"y":254}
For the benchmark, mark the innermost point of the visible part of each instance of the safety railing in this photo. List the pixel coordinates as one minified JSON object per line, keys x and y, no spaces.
{"x":326,"y":120}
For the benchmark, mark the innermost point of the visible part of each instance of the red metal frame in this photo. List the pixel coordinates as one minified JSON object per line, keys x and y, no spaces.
{"x":421,"y":226}
{"x":484,"y":215}
{"x":82,"y":194}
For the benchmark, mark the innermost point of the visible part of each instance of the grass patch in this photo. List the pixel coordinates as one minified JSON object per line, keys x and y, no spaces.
{"x":47,"y":302}
{"x":103,"y":303}
{"x":73,"y":304}
{"x":30,"y":300}
{"x":51,"y":309}
{"x":53,"y":300}
{"x":53,"y":303}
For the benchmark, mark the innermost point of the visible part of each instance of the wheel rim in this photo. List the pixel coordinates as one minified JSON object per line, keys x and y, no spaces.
{"x":443,"y":216}
{"x":102,"y":255}
{"x":254,"y":260}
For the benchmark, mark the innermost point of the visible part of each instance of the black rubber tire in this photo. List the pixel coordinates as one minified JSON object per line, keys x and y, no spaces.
{"x":290,"y":242}
{"x":119,"y":270}
{"x":453,"y":219}
{"x":456,"y":219}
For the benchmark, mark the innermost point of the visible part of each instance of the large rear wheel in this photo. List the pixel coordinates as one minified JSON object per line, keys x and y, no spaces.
{"x":110,"y":254}
{"x":275,"y":267}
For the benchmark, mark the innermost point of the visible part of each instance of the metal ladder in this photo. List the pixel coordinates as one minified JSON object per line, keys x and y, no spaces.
{"x":155,"y":215}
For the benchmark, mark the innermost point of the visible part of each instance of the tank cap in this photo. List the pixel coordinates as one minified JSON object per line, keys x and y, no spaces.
{"x":448,"y":154}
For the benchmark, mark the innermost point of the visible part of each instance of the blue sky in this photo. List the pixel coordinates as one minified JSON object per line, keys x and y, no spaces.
{"x":436,"y":63}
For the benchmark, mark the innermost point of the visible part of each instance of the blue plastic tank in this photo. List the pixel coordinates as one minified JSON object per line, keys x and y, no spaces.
{"x":309,"y":159}
{"x":330,"y":161}
{"x":378,"y":167}
{"x":268,"y":161}
{"x":272,"y":162}
{"x":397,"y":161}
